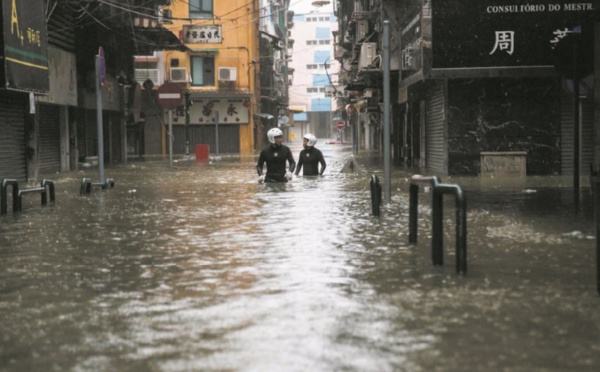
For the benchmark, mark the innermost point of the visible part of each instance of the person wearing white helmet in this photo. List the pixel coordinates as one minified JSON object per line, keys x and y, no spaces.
{"x":275,"y":157}
{"x":311,"y":157}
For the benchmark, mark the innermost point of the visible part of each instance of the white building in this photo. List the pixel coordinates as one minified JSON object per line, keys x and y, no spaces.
{"x":315,"y":71}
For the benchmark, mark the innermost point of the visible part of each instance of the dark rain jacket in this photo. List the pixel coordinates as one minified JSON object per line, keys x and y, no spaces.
{"x":275,"y":157}
{"x":310,"y":158}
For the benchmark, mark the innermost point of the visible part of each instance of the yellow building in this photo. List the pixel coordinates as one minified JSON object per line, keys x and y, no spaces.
{"x":217,"y":73}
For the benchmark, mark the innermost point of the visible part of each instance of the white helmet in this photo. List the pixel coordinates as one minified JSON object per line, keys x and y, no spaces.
{"x":274,"y":132}
{"x":312,"y":140}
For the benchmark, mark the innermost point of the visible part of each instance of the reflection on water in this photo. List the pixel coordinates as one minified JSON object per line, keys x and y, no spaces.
{"x":202,"y":268}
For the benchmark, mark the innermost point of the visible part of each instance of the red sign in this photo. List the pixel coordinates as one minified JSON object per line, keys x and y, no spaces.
{"x":340,"y":124}
{"x":169,"y":96}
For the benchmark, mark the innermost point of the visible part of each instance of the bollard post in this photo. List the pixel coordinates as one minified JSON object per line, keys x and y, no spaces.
{"x":437,"y":215}
{"x":375,"y":195}
{"x":86,"y":186}
{"x":461,"y":232}
{"x":49,"y":185}
{"x":437,"y":227}
{"x":595,"y":191}
{"x":413,"y":210}
{"x":44,"y":194}
{"x":15,"y":191}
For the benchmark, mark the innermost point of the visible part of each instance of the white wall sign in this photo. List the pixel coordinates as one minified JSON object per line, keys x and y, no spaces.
{"x":196,"y":34}
{"x":231,"y":111}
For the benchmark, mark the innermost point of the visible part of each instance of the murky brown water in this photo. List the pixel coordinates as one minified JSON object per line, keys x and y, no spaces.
{"x":201,"y":268}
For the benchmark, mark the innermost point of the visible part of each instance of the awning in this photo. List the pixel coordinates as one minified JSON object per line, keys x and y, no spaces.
{"x":263,"y":116}
{"x":205,"y":50}
{"x":301,"y":117}
{"x":150,"y":36}
{"x":220,"y":93}
{"x":297,"y":108}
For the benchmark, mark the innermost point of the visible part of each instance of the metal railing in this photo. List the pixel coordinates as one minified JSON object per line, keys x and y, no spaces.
{"x":437,"y":215}
{"x":86,"y":185}
{"x":46,"y":189}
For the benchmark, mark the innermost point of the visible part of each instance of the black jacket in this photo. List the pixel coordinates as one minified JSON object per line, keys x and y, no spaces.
{"x":275,"y":157}
{"x":310,"y":158}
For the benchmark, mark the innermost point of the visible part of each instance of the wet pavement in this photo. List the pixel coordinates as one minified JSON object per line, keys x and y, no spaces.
{"x":201,"y":268}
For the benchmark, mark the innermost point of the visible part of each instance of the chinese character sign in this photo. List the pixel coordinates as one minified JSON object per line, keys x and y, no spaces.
{"x":504,"y":41}
{"x":231,"y":110}
{"x":25,"y":45}
{"x":494,"y":33}
{"x":196,"y":34}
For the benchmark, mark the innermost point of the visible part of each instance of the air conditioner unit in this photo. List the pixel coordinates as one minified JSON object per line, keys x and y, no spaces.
{"x":143,"y":74}
{"x":165,"y":16}
{"x":368,"y":51}
{"x":227,"y":74}
{"x":178,"y":75}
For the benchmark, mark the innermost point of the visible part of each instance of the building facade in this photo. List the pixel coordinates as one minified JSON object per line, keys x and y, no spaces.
{"x":312,"y":97}
{"x":275,"y":53}
{"x":477,"y":77}
{"x":48,"y":114}
{"x":216,"y":74}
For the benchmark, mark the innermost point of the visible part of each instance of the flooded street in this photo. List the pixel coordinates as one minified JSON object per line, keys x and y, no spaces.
{"x":202,"y":268}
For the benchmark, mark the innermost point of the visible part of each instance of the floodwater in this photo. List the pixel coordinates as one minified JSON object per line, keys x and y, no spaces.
{"x":200,"y":268}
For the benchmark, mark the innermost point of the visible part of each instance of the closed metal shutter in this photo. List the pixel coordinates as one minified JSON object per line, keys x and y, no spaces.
{"x":115,"y":138}
{"x":13,"y":162}
{"x":91,"y":133}
{"x":229,"y":138}
{"x":49,"y":139}
{"x":80,"y":117}
{"x":587,"y":136}
{"x":87,"y":134}
{"x":586,"y":133}
{"x":566,"y":134}
{"x":436,"y":137}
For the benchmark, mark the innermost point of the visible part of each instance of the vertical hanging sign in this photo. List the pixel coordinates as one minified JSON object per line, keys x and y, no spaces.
{"x":24,"y":52}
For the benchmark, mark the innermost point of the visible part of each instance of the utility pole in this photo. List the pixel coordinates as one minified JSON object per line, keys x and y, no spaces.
{"x":386,"y":112}
{"x":187,"y":125}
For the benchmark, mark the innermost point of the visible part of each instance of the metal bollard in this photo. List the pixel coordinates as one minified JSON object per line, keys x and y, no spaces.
{"x":595,"y":190}
{"x":49,"y":186}
{"x":375,"y":195}
{"x":86,"y":186}
{"x":4,"y":195}
{"x":437,"y":215}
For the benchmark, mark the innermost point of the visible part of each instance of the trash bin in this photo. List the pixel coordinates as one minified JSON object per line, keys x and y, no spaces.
{"x":202,"y":153}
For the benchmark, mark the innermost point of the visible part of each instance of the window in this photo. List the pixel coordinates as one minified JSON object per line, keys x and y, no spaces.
{"x":203,"y":71}
{"x":320,"y":80}
{"x":201,"y":9}
{"x":312,"y":90}
{"x":321,"y":56}
{"x":324,"y":42}
{"x":320,"y":104}
{"x":311,"y":42}
{"x":322,"y":33}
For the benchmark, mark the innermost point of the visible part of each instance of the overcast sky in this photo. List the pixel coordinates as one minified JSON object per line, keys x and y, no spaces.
{"x":305,"y":6}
